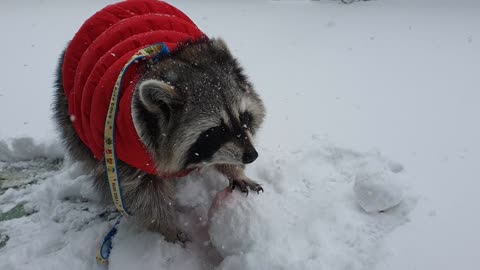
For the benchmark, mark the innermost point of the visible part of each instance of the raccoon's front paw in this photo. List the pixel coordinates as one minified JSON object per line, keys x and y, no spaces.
{"x":245,"y":184}
{"x":177,"y":236}
{"x":183,"y":237}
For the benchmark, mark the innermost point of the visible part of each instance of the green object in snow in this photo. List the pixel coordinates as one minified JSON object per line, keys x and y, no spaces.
{"x":16,"y":212}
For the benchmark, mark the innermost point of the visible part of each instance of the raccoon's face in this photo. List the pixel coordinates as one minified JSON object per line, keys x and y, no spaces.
{"x":196,"y":108}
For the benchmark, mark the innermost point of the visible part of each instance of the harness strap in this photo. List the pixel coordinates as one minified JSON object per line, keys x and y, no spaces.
{"x":155,"y":50}
{"x":109,"y":142}
{"x":103,"y":251}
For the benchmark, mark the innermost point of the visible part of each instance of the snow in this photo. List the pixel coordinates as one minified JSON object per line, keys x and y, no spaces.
{"x":378,"y":191}
{"x":25,"y":148}
{"x":306,"y":219}
{"x":385,"y":91}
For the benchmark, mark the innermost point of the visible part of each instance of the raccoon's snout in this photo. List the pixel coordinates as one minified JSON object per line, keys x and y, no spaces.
{"x":249,"y":156}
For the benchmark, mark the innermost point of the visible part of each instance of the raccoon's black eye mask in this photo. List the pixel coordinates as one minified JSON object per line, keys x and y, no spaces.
{"x":213,"y":138}
{"x":208,"y":143}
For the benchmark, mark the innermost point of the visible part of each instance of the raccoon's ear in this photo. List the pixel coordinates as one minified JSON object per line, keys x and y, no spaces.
{"x":219,"y":43}
{"x":158,"y":96}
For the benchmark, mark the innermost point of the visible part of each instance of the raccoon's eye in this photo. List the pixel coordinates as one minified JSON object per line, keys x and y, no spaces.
{"x":246,"y":119}
{"x":208,"y":143}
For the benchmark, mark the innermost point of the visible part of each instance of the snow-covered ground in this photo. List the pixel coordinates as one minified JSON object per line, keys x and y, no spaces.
{"x":385,"y":90}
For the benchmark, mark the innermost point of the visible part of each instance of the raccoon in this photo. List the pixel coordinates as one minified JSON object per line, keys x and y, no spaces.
{"x":195,"y":108}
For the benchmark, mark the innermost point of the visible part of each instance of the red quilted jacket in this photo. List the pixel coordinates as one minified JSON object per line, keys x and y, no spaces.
{"x":94,"y":59}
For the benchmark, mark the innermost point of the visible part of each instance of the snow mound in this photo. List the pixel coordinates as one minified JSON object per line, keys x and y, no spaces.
{"x":307,"y":218}
{"x":25,"y":148}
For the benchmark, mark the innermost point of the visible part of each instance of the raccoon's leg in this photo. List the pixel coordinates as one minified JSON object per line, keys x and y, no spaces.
{"x":237,"y":178}
{"x":149,"y":199}
{"x":152,"y":202}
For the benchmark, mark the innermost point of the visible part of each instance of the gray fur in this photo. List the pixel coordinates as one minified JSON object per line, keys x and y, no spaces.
{"x":176,"y":100}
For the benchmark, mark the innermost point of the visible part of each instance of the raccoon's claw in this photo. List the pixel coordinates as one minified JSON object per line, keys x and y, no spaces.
{"x":241,"y":185}
{"x":245,"y":185}
{"x":183,"y":237}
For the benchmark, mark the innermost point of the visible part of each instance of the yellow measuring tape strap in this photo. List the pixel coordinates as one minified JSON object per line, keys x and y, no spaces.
{"x":109,"y":145}
{"x":110,"y":153}
{"x":99,"y":258}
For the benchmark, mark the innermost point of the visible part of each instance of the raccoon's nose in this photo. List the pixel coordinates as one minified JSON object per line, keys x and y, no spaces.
{"x":249,"y":156}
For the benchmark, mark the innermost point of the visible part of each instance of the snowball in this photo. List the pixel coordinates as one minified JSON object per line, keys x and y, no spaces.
{"x":233,"y":224}
{"x":378,"y":191}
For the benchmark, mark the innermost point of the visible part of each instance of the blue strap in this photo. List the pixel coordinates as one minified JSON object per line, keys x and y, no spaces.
{"x":106,"y":247}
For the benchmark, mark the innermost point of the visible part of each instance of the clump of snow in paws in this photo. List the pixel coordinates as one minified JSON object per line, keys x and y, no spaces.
{"x":228,"y":229}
